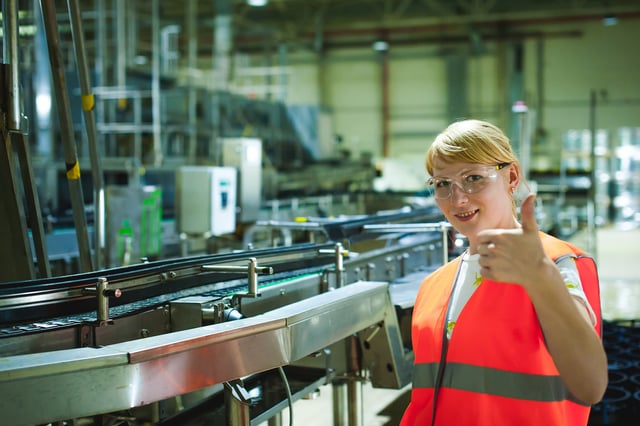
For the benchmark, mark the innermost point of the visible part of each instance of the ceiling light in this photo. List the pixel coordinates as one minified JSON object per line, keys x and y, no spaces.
{"x":257,"y":3}
{"x":380,"y":46}
{"x":610,"y":20}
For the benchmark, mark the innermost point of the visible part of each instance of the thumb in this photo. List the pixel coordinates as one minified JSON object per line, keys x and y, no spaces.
{"x":527,"y":214}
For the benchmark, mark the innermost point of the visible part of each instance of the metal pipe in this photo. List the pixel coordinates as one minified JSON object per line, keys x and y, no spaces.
{"x":88,"y":104}
{"x":237,"y":404}
{"x":103,"y":300}
{"x":155,"y":82}
{"x":10,"y":54}
{"x":101,"y":45}
{"x":340,"y":278}
{"x":67,"y":134}
{"x":338,"y":388}
{"x":222,"y":43}
{"x":275,"y":420}
{"x":34,"y":219}
{"x":407,"y":227}
{"x":385,"y":112}
{"x":192,"y":61}
{"x":121,"y":53}
{"x":444,"y":227}
{"x":17,"y":127}
{"x":15,"y":250}
{"x":354,"y":385}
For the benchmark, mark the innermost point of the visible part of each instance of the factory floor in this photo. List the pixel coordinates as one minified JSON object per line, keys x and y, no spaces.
{"x":617,"y":251}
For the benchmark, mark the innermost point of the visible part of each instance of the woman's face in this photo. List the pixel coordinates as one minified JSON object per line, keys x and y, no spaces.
{"x":485,"y":203}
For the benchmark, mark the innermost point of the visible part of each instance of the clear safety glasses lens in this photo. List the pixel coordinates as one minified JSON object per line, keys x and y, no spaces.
{"x":471,"y":183}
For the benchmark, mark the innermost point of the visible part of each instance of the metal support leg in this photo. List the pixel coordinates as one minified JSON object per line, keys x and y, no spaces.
{"x":339,"y":389}
{"x":276,"y":420}
{"x":237,"y":402}
{"x":34,"y":218}
{"x":15,"y":251}
{"x":354,"y":384}
{"x":354,"y":397}
{"x":13,"y":126}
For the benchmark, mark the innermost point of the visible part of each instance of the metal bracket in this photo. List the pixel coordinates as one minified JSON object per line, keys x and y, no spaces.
{"x":252,"y":271}
{"x":102,"y":293}
{"x":339,"y":254}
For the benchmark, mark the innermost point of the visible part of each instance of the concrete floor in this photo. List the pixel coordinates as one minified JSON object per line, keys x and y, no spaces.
{"x":618,"y":256}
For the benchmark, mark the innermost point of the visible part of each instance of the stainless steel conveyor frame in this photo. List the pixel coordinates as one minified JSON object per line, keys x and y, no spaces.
{"x":52,"y":386}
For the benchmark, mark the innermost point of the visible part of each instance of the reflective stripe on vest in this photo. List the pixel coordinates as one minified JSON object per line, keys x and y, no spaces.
{"x":491,"y":381}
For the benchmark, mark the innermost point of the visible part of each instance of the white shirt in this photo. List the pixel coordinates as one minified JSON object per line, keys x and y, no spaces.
{"x":469,"y":280}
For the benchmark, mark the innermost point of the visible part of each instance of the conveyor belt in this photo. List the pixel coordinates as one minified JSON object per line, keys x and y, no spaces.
{"x":47,"y":299}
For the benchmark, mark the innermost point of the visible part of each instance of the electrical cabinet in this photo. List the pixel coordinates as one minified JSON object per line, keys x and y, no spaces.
{"x":206,"y":200}
{"x":245,"y":154}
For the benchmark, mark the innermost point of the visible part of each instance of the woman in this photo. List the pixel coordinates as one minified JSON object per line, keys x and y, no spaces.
{"x":504,"y":334}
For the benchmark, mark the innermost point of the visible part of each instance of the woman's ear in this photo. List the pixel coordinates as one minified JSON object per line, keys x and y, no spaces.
{"x":514,"y":176}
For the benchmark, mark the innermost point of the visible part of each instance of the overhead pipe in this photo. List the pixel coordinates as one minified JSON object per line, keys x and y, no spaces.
{"x":373,"y":35}
{"x":341,"y":37}
{"x":88,"y":104}
{"x":67,"y":134}
{"x":456,"y":39}
{"x":448,"y":25}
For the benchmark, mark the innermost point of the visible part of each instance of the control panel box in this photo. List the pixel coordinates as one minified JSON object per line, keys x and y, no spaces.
{"x":245,"y":154}
{"x":206,"y":200}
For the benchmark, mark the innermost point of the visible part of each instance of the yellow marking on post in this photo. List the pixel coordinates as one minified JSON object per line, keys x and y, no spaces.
{"x":88,"y":102}
{"x":73,"y":172}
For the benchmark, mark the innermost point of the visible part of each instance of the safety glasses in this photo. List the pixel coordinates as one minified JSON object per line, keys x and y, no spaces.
{"x":471,"y":182}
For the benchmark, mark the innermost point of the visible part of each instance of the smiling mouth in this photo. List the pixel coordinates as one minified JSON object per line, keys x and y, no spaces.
{"x":466,"y":215}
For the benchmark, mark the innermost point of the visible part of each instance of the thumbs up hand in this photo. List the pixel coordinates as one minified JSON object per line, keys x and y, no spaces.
{"x":513,"y":255}
{"x":528,"y":214}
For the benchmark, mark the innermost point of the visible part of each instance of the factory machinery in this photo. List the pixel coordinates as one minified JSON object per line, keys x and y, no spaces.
{"x":227,"y":338}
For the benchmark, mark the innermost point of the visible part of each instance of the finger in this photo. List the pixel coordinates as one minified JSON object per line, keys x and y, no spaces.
{"x":527,"y":214}
{"x":487,"y":235}
{"x":486,"y":249}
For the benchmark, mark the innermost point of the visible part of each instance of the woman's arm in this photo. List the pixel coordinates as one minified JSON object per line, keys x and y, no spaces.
{"x":517,"y":256}
{"x":572,"y":342}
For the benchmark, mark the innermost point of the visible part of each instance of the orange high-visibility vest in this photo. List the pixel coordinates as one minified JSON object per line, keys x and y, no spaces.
{"x":495,"y":369}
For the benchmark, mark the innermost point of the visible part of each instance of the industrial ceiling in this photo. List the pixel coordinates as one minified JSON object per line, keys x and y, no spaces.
{"x":323,"y":24}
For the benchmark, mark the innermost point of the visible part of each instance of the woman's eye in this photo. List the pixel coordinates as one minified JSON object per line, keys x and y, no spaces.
{"x":442,"y":184}
{"x":474,"y":178}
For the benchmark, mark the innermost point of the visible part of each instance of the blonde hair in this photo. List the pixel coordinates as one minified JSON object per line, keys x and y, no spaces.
{"x":471,"y":141}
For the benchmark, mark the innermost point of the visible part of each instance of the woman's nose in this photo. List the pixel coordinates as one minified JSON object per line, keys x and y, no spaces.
{"x":458,"y":195}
